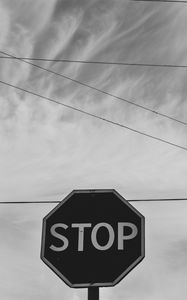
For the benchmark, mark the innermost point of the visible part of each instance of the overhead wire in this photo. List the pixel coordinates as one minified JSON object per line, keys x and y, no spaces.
{"x":58,"y":201}
{"x":171,"y":1}
{"x":96,"y":62}
{"x":93,"y":115}
{"x":98,"y":90}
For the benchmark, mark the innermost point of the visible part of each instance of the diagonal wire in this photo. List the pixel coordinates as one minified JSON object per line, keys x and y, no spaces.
{"x":96,"y":62}
{"x":93,"y":115}
{"x":96,"y":89}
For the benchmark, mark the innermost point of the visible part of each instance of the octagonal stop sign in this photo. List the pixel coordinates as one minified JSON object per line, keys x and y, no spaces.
{"x":93,"y":238}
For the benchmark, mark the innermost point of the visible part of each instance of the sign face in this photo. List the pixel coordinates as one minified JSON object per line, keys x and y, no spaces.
{"x":93,"y":238}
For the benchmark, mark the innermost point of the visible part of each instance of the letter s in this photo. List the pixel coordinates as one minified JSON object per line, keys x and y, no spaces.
{"x":59,"y":236}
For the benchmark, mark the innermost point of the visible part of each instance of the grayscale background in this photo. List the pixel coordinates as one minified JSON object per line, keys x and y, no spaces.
{"x":47,"y":150}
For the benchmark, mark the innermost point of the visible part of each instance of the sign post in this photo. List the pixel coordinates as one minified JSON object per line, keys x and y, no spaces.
{"x":93,"y":293}
{"x":93,"y":239}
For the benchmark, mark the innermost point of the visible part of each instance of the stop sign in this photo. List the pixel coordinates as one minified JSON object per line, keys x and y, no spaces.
{"x":93,"y":238}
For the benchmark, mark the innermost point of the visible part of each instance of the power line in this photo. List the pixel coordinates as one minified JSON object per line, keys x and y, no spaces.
{"x":174,"y":1}
{"x":96,"y":89}
{"x":28,"y":202}
{"x":93,"y":115}
{"x":96,"y":62}
{"x":158,"y":200}
{"x":56,"y":202}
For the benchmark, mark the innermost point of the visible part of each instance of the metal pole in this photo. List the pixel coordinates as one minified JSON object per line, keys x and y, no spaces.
{"x":93,"y":293}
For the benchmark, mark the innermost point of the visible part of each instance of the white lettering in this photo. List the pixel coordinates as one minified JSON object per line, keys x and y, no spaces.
{"x":81,"y":227}
{"x":122,"y":237}
{"x":59,"y":236}
{"x":94,"y":236}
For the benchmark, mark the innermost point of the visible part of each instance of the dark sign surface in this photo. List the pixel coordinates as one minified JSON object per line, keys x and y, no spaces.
{"x":93,"y":237}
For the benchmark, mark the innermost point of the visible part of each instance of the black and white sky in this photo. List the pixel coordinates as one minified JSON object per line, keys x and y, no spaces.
{"x":47,"y":150}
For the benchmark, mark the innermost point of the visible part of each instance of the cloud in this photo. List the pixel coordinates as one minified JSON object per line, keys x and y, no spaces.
{"x":176,"y":256}
{"x":4,"y":23}
{"x":44,"y":143}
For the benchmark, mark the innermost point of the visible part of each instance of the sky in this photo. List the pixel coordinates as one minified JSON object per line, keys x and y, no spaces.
{"x":47,"y":150}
